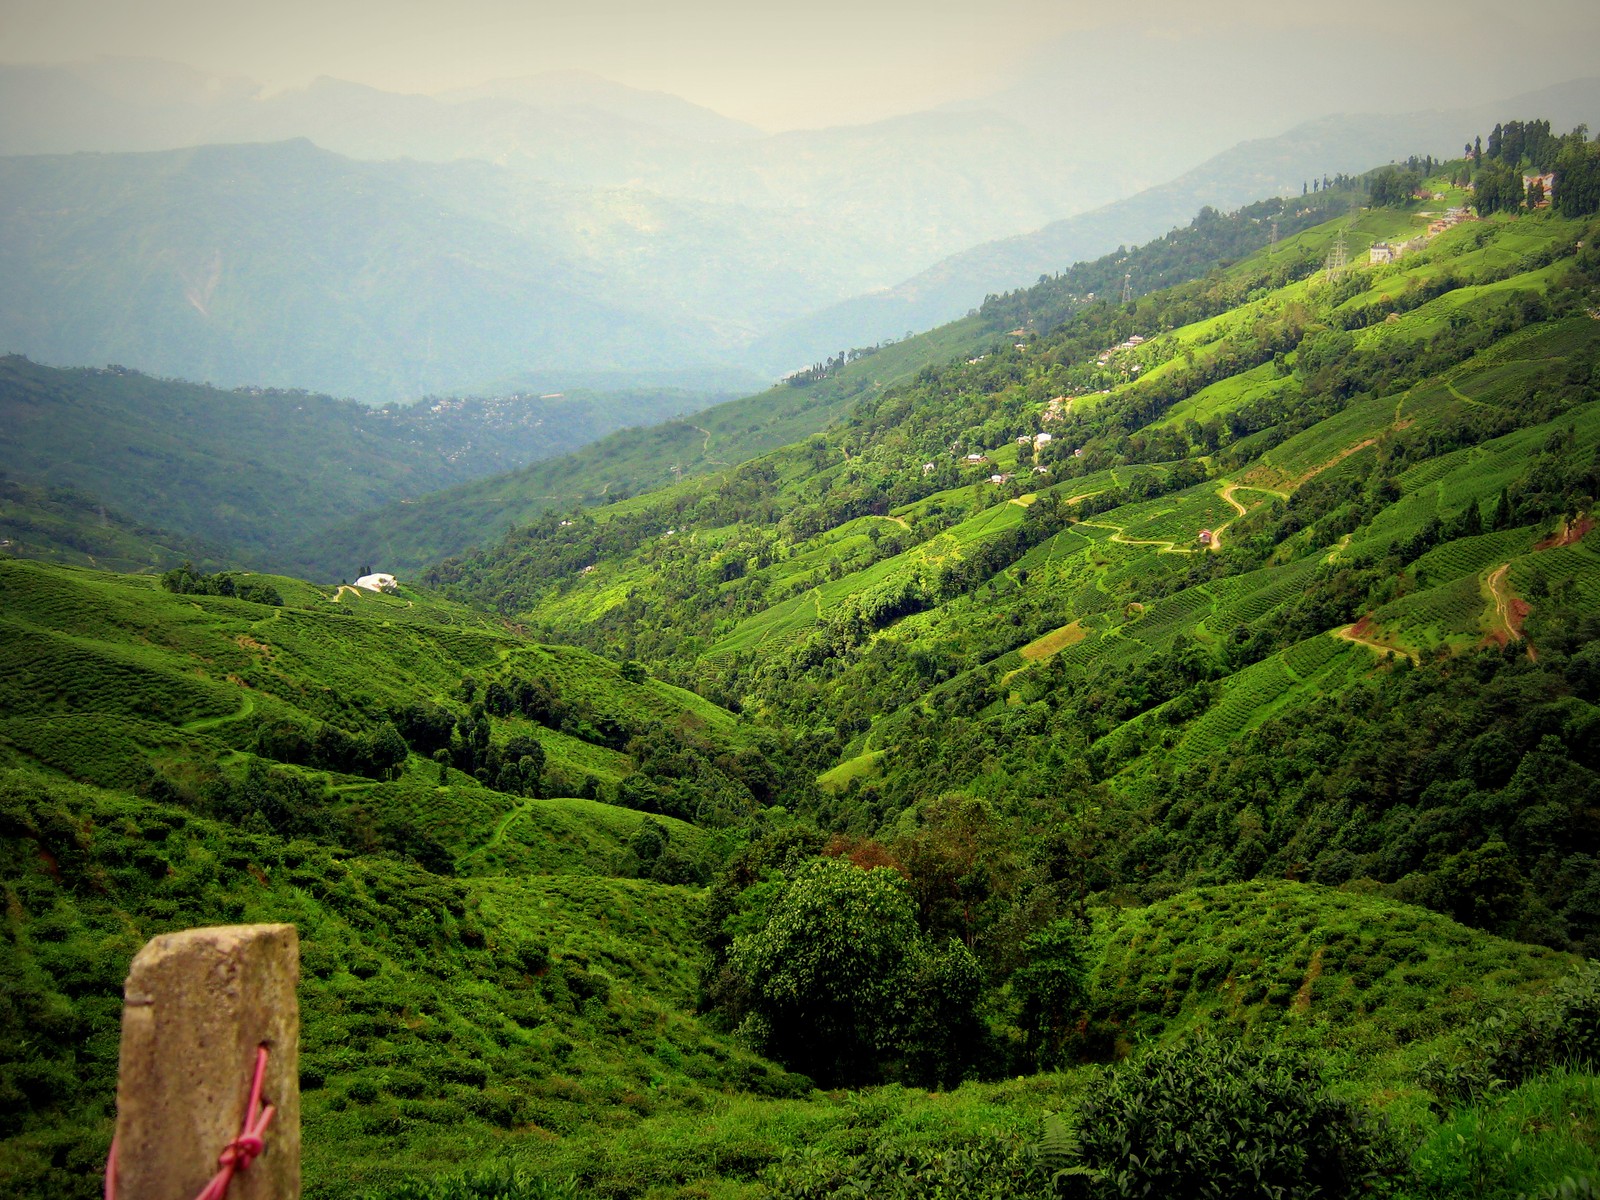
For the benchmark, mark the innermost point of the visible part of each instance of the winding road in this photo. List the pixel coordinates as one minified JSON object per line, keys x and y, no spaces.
{"x":1349,"y":634}
{"x":1505,"y":611}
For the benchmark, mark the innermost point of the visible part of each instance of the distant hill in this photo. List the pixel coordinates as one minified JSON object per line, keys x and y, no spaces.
{"x":130,"y":104}
{"x":562,"y":224}
{"x":584,"y":90}
{"x":291,"y":266}
{"x":1275,"y":166}
{"x":287,"y":265}
{"x":59,"y":524}
{"x":243,"y":474}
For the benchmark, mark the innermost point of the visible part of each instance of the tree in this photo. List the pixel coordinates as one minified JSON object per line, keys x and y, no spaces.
{"x":384,"y":750}
{"x":1390,"y":186}
{"x":838,"y":975}
{"x":1051,"y":989}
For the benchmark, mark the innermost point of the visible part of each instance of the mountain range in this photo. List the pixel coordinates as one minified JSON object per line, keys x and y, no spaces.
{"x":414,"y":245}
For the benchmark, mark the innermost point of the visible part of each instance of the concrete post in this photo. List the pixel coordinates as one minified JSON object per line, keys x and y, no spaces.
{"x":196,"y":1006}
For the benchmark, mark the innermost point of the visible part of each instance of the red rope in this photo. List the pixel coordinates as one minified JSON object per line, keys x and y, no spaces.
{"x":236,"y":1155}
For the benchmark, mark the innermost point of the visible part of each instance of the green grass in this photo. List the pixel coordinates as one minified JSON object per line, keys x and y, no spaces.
{"x":571,"y":837}
{"x":1258,"y":692}
{"x":1519,"y":1143}
{"x":106,"y":677}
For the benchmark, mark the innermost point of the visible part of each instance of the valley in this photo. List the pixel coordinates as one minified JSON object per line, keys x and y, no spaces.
{"x":1136,"y":739}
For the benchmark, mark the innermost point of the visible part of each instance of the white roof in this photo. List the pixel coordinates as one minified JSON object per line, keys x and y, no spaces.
{"x":377,"y":582}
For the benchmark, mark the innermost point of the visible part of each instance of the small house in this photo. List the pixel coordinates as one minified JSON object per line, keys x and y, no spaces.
{"x":1043,"y":439}
{"x":1547,"y":187}
{"x":1204,"y":537}
{"x":379,"y":581}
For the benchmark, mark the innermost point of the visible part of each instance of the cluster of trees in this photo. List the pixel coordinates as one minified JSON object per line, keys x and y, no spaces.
{"x":855,"y":961}
{"x":186,"y":581}
{"x":377,"y":752}
{"x":1573,"y":158}
{"x":1516,"y":142}
{"x":291,"y":804}
{"x":830,"y":366}
{"x":464,"y":741}
{"x":1389,"y":186}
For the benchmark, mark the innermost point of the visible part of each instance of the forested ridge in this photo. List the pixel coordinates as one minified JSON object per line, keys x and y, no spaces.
{"x":1150,"y":749}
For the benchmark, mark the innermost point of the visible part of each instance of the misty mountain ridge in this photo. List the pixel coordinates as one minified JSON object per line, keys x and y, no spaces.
{"x":130,"y":104}
{"x":592,"y":242}
{"x":1275,"y":166}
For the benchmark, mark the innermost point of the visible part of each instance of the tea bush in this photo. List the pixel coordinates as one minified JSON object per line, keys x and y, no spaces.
{"x":1213,"y":1118}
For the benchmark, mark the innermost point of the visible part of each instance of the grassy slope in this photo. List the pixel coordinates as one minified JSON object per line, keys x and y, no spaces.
{"x":539,"y":989}
{"x":542,"y":1015}
{"x":105,"y":674}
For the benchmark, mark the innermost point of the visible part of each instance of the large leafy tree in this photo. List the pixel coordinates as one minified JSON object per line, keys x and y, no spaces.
{"x":839,"y":982}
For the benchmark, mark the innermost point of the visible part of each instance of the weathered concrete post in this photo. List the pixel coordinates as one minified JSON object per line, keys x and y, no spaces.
{"x":196,"y":1007}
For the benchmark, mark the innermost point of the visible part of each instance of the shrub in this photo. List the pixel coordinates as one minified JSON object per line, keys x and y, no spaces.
{"x":995,"y":1167}
{"x":1509,"y":1046}
{"x":839,"y":981}
{"x":1213,"y":1118}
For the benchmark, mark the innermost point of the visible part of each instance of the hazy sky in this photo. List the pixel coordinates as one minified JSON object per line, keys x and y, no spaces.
{"x":778,"y":65}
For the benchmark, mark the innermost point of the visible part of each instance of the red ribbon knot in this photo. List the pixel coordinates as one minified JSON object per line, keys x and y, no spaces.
{"x":238,"y":1154}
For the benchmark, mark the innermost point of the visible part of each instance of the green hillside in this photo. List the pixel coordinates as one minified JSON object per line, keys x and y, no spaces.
{"x":1393,"y":466}
{"x":261,"y":473}
{"x":178,"y":758}
{"x":60,"y":524}
{"x":1201,"y":801}
{"x":493,"y":977}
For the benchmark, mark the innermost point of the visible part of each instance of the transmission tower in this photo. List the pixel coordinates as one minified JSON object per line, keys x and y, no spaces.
{"x":677,"y":472}
{"x":1127,"y":287}
{"x":1338,"y":257}
{"x":1273,"y":245}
